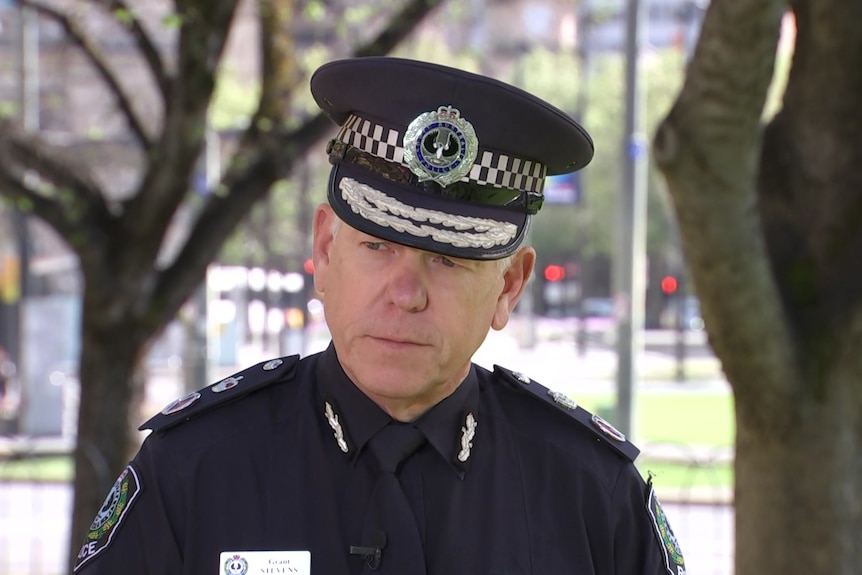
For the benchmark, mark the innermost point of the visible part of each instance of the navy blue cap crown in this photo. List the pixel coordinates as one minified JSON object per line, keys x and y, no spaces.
{"x":438,"y":158}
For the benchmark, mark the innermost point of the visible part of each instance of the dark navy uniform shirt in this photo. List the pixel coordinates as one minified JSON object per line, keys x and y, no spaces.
{"x":274,"y":459}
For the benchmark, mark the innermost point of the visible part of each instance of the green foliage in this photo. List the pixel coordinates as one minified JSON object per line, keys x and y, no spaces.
{"x":590,"y":228}
{"x":552,"y":76}
{"x":8,"y":109}
{"x":314,"y":11}
{"x":173,"y":20}
{"x":430,"y":48}
{"x":234,"y":101}
{"x":272,"y":234}
{"x":123,"y":16}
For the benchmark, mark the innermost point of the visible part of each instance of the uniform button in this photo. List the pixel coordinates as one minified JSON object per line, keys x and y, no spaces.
{"x":272,"y":364}
{"x":181,"y":403}
{"x":226,"y":384}
{"x":608,"y":429}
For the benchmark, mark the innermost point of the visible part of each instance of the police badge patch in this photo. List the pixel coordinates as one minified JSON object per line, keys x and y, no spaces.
{"x":110,"y":515}
{"x":235,"y":565}
{"x":673,"y":560}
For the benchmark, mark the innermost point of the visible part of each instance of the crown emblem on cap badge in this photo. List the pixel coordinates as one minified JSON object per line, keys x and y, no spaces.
{"x":440,"y":146}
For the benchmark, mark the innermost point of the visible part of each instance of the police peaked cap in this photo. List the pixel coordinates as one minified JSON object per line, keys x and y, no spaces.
{"x":438,"y":158}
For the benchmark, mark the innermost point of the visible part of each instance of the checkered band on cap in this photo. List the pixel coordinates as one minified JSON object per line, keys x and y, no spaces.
{"x":490,"y":168}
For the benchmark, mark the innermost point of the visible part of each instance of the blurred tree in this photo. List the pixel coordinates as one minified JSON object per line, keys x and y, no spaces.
{"x":770,"y":217}
{"x":591,"y":225}
{"x":132,"y":290}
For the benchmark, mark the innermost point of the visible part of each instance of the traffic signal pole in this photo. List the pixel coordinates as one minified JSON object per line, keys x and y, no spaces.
{"x":630,"y":266}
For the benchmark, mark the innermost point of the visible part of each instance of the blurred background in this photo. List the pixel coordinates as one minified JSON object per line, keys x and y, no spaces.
{"x":255,"y":299}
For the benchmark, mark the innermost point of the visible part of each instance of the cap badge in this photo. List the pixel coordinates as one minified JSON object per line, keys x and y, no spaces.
{"x":440,"y":146}
{"x":337,"y":430}
{"x":467,"y":433}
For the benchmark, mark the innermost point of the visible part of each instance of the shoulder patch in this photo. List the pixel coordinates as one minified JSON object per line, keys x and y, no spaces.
{"x":560,"y":401}
{"x":228,"y":389}
{"x":110,"y":516}
{"x":671,"y":553}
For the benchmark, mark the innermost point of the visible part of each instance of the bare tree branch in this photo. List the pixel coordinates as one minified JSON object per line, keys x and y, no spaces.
{"x":30,"y":200}
{"x":101,"y":66}
{"x":280,"y":68}
{"x":45,"y":186}
{"x":55,"y":213}
{"x":223,"y":213}
{"x":29,"y":152}
{"x":249,"y":178}
{"x":398,"y":28}
{"x":165,"y":185}
{"x":145,"y":44}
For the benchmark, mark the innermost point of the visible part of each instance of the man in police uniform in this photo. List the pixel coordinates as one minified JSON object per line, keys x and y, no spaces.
{"x":390,"y":452}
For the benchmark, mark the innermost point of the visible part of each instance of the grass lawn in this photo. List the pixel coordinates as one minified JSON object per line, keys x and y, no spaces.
{"x":694,"y":426}
{"x":688,"y":481}
{"x":53,"y":468}
{"x":686,"y":418}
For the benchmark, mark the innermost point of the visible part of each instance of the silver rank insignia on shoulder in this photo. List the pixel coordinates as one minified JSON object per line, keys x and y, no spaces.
{"x":226,"y":384}
{"x":181,"y":403}
{"x":272,"y":364}
{"x":608,"y":429}
{"x":468,"y":430}
{"x":440,"y":146}
{"x":337,"y":430}
{"x":562,"y":399}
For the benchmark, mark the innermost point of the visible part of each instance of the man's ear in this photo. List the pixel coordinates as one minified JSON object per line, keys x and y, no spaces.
{"x":324,"y":235}
{"x":515,"y":279}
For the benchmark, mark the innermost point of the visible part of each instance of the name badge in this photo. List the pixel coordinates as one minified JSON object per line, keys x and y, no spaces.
{"x":265,"y":563}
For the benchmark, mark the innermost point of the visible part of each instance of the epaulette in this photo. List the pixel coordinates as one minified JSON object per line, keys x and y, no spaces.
{"x":228,"y":389}
{"x":601,"y":428}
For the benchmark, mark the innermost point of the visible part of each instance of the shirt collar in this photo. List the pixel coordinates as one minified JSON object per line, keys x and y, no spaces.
{"x":450,"y":426}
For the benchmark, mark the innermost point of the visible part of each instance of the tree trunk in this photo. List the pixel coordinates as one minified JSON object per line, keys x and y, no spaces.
{"x":111,"y":377}
{"x":798,"y":500}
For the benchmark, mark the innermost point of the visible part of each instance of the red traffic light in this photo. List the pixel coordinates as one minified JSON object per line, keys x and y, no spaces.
{"x":554,"y":273}
{"x":669,"y":285}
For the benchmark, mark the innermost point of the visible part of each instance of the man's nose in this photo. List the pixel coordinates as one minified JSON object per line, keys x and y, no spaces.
{"x":407,"y":286}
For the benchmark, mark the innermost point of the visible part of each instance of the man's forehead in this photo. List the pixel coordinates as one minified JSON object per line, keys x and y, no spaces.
{"x":359,"y":235}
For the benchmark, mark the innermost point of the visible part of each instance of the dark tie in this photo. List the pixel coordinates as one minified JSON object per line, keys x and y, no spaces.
{"x":390,"y":534}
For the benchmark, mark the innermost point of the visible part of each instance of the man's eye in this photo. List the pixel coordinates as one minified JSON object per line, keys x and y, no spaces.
{"x":447,"y":262}
{"x":374,"y":246}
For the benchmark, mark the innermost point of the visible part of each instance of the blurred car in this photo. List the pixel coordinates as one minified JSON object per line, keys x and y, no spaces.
{"x":597,"y":307}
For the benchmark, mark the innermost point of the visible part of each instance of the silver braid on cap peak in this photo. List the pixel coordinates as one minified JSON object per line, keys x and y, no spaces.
{"x":385,"y":211}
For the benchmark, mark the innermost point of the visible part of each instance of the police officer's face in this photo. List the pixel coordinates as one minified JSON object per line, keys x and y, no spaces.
{"x":406,"y":322}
